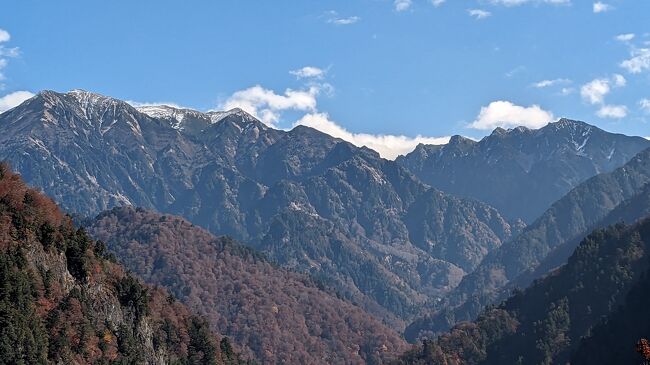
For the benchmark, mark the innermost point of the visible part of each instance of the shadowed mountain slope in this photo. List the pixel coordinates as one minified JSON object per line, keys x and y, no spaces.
{"x":384,"y":239}
{"x":521,"y":171}
{"x":546,"y":243}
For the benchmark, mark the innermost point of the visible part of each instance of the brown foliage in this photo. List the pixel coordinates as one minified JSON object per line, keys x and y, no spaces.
{"x":74,"y":319}
{"x":643,"y":348}
{"x":280,"y":316}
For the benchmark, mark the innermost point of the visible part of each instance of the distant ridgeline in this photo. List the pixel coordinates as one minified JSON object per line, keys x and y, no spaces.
{"x":522,"y":171}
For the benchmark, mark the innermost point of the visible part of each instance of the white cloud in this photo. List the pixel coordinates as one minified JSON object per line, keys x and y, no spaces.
{"x":9,"y":52}
{"x":3,"y":64}
{"x":645,"y":105}
{"x":479,"y":13}
{"x":334,"y":18}
{"x":346,"y":21}
{"x":4,"y":36}
{"x":13,"y":99}
{"x":601,"y":7}
{"x":138,"y":104}
{"x":507,"y":115}
{"x":267,"y":105}
{"x":402,"y":5}
{"x":388,"y":146}
{"x":309,"y":72}
{"x":594,"y":92}
{"x":521,"y":2}
{"x":625,"y":37}
{"x":612,"y":111}
{"x":437,"y":3}
{"x":515,"y":71}
{"x":509,"y":2}
{"x":619,"y":80}
{"x":5,"y":52}
{"x":548,"y":83}
{"x":638,"y":62}
{"x":567,"y":91}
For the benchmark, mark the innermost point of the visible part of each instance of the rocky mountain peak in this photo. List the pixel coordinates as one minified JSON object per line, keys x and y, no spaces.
{"x":458,"y":139}
{"x":504,"y":167}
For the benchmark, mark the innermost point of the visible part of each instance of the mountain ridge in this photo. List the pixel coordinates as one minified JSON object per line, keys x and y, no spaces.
{"x":504,"y":167}
{"x":240,"y":178}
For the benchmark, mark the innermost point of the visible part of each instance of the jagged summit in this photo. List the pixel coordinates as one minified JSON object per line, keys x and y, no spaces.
{"x":83,"y":109}
{"x":560,"y":124}
{"x":505,"y":166}
{"x":458,"y":139}
{"x":84,"y":99}
{"x":192,"y":121}
{"x":217,"y":116}
{"x":567,"y":122}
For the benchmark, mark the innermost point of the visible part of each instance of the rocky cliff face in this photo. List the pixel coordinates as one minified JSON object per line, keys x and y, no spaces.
{"x":309,"y":201}
{"x":520,"y":171}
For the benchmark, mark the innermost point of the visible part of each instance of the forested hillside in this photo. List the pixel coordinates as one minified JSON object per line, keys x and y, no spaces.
{"x":545,"y":324}
{"x":64,"y":299}
{"x":277,"y":315}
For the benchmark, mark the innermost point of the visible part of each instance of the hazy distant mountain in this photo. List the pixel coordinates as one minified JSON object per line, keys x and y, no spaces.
{"x":520,"y":171}
{"x":64,"y":300}
{"x":559,"y":319}
{"x":604,"y":199}
{"x":309,"y":201}
{"x":282,"y":317}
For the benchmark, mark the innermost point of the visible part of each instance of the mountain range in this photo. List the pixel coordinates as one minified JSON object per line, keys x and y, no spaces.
{"x":506,"y":167}
{"x":375,"y":232}
{"x":303,"y":248}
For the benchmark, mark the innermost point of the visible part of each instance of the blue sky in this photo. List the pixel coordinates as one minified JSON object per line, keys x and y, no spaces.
{"x":376,"y":68}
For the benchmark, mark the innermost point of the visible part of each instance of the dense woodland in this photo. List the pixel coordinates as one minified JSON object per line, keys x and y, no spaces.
{"x":63,"y":299}
{"x":280,"y":316}
{"x":560,"y":318}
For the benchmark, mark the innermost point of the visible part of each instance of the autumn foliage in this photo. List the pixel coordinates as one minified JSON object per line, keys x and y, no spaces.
{"x":277,"y":315}
{"x":63,"y":300}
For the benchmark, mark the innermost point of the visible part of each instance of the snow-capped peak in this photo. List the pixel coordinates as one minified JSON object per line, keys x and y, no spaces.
{"x":179,"y":115}
{"x":87,"y":98}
